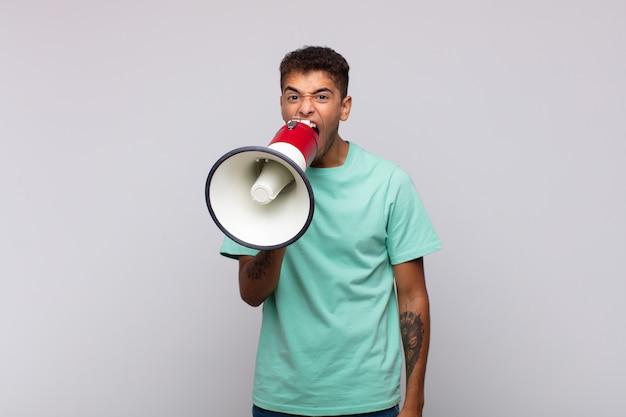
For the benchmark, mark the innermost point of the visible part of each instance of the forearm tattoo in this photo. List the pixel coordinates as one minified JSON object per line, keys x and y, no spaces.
{"x":259,"y":265}
{"x":412,"y":330}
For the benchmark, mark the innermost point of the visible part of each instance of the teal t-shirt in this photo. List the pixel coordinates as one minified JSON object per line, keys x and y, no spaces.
{"x":330,"y":337}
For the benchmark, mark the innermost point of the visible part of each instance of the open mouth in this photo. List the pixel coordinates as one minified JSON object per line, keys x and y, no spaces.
{"x":309,"y":123}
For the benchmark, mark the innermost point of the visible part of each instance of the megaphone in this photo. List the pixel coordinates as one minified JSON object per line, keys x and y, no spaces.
{"x":259,"y":196}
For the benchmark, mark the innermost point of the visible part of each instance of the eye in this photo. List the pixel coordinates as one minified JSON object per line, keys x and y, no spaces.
{"x":322,"y":98}
{"x":292,"y":98}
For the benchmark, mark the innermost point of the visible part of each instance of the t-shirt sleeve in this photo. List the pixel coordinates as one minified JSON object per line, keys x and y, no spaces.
{"x":233,"y":250}
{"x":410,"y":233}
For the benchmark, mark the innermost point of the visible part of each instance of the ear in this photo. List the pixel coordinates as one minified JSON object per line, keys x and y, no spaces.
{"x":346,"y":106}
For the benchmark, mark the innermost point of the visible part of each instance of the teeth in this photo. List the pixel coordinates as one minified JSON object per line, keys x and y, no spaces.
{"x":306,"y":122}
{"x":309,"y":123}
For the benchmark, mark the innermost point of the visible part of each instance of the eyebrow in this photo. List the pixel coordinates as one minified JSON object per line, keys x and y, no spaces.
{"x":319,"y":90}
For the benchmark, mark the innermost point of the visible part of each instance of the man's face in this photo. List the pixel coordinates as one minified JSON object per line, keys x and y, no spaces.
{"x":314,"y":96}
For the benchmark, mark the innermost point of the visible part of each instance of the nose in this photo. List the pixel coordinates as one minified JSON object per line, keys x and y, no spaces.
{"x":307,"y":107}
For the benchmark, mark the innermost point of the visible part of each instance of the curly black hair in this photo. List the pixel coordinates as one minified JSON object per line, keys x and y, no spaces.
{"x":317,"y":58}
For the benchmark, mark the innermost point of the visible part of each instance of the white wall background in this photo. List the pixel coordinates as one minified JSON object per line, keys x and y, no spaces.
{"x":509,"y":115}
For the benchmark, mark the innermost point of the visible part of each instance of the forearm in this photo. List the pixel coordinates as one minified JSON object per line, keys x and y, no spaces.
{"x":259,"y":275}
{"x":415,"y":330}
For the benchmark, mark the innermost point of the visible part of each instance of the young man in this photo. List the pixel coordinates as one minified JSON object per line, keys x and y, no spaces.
{"x":333,"y":327}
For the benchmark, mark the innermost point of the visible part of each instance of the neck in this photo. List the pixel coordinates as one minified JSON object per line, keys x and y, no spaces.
{"x":333,"y":156}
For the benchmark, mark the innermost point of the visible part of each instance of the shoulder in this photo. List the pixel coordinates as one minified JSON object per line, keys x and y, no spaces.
{"x":369,"y":160}
{"x":382,"y":169}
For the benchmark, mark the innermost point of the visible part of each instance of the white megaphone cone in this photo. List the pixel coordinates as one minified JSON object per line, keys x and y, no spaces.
{"x":260,"y":197}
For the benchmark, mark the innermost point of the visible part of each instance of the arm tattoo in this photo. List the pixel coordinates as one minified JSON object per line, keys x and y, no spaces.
{"x":259,"y":265}
{"x":412,"y":331}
